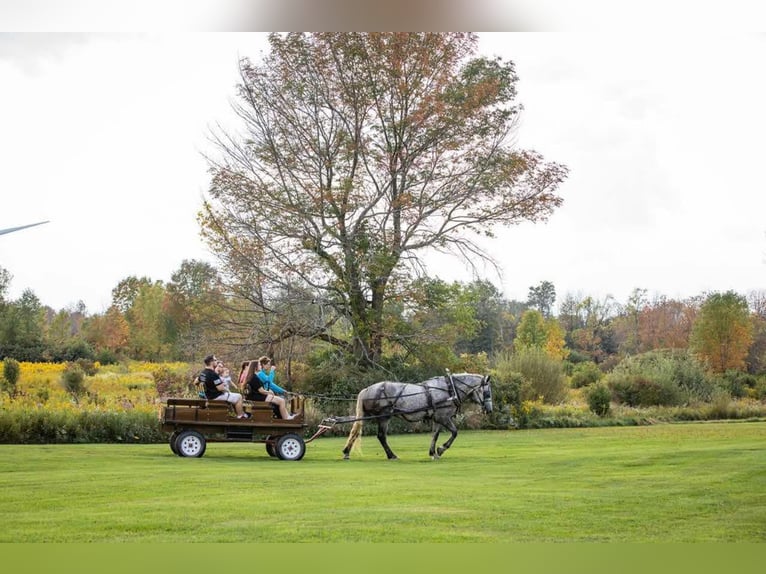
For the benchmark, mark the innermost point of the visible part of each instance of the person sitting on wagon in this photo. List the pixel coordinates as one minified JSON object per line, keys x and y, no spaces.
{"x":216,"y":389}
{"x":243,"y":374}
{"x":267,"y":388}
{"x":223,"y":372}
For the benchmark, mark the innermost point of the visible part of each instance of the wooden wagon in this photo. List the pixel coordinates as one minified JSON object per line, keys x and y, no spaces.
{"x":192,"y":423}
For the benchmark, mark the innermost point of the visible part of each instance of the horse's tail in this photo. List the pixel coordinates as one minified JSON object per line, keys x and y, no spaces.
{"x":356,"y":428}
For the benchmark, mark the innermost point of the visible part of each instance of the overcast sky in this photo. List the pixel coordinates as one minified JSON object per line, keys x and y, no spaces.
{"x":103,"y":135}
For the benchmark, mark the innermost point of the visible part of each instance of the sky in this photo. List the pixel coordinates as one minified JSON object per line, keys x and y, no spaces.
{"x":104,"y":134}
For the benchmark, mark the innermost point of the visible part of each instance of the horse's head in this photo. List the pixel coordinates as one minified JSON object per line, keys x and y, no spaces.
{"x":475,"y":388}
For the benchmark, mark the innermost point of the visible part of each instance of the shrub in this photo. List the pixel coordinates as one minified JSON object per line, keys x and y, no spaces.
{"x":737,"y":383}
{"x":42,"y":426}
{"x":10,"y":378}
{"x":759,"y":392}
{"x":599,"y":399}
{"x":527,"y":413}
{"x":544,"y":374}
{"x":470,"y":363}
{"x":337,"y":375}
{"x":71,"y":351}
{"x":73,"y":381}
{"x":170,"y":383}
{"x":88,"y":366}
{"x":691,"y":377}
{"x":519,"y":381}
{"x":660,"y":378}
{"x":642,"y":391}
{"x":575,"y":357}
{"x":584,"y":374}
{"x":508,"y":388}
{"x":107,"y":357}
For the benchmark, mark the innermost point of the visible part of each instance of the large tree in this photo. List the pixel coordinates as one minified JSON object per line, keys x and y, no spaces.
{"x":588,"y":325}
{"x":542,"y":298}
{"x":666,"y":324}
{"x":756,"y":358}
{"x":535,"y":331}
{"x":357,"y":155}
{"x":193,"y":307}
{"x":108,"y":331}
{"x":496,"y":320}
{"x":723,"y":331}
{"x":21,"y":328}
{"x":5,"y":281}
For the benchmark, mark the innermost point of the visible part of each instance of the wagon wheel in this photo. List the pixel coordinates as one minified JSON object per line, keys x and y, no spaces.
{"x":270,"y":447}
{"x":172,"y":441}
{"x":290,"y":447}
{"x":190,"y":444}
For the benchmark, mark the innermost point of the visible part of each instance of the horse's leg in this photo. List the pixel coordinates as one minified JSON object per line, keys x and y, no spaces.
{"x":432,"y":451}
{"x":450,"y":425}
{"x":382,"y":430}
{"x":356,"y":430}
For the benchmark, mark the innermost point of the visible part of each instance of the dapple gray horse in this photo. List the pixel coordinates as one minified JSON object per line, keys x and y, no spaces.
{"x":438,"y":399}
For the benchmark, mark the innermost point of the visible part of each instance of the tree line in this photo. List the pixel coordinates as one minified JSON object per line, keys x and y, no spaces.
{"x":186,"y":317}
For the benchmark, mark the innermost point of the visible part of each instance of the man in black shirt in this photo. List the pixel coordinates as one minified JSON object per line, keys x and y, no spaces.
{"x":217,"y":390}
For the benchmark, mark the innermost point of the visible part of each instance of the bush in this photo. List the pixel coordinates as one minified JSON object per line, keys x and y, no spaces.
{"x":584,"y":374}
{"x":599,"y":399}
{"x":73,"y":381}
{"x":508,"y":388}
{"x":691,"y":377}
{"x":575,"y":357}
{"x":641,"y":391}
{"x":738,"y":383}
{"x":33,"y":352}
{"x":516,"y":393}
{"x":170,"y":383}
{"x":660,"y":378}
{"x":543,"y":376}
{"x":759,"y":392}
{"x":70,"y":351}
{"x":11,"y":370}
{"x":42,"y":426}
{"x":107,"y":357}
{"x":88,"y":366}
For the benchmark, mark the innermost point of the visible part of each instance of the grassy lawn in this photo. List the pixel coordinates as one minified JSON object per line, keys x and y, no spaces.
{"x":663,"y":483}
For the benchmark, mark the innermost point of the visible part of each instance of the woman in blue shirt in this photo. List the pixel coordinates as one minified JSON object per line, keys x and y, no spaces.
{"x":268,"y":389}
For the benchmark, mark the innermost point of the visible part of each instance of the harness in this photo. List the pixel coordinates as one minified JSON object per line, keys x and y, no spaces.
{"x":453,"y":391}
{"x":394,"y":411}
{"x":429,"y":398}
{"x":430,"y":408}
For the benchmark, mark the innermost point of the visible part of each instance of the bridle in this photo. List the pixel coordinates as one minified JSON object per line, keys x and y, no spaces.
{"x":483,"y":385}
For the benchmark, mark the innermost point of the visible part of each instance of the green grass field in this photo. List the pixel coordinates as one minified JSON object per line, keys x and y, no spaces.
{"x":663,"y":483}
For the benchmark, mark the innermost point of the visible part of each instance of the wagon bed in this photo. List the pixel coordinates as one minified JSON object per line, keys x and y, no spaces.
{"x":195,"y":422}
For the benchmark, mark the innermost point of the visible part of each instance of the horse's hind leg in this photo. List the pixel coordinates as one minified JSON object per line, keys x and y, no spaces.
{"x":356,"y":430}
{"x":382,"y":430}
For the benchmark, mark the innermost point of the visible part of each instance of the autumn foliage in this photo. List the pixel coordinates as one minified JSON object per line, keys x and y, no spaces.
{"x":724,"y":332}
{"x":362,"y":152}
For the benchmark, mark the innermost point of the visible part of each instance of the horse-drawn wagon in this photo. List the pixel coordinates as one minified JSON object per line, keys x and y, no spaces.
{"x":439,"y":399}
